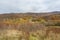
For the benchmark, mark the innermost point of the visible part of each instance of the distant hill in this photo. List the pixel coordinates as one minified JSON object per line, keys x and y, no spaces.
{"x":15,"y":19}
{"x":37,"y":15}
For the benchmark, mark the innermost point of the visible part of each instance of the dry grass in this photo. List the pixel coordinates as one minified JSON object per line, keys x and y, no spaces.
{"x":25,"y":27}
{"x":35,"y":35}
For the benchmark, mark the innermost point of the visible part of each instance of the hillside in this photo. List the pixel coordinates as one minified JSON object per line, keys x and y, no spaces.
{"x":30,"y":26}
{"x":33,"y":17}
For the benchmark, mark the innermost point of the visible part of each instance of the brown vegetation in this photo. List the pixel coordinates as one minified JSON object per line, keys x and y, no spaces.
{"x":30,"y":26}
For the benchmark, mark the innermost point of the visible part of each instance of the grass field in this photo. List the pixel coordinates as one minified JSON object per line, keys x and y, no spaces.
{"x":30,"y":27}
{"x":47,"y":33}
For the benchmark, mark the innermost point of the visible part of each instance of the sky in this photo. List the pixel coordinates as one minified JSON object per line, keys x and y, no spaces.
{"x":14,"y":6}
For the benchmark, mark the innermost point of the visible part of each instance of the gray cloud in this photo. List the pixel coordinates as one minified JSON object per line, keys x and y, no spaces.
{"x":29,"y":5}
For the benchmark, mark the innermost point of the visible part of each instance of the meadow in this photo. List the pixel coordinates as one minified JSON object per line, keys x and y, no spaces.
{"x":30,"y":27}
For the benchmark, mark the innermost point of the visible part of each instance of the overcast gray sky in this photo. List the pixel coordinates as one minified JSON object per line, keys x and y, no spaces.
{"x":29,"y":5}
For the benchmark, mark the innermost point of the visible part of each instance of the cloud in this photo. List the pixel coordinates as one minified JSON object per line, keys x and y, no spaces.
{"x":29,"y":5}
{"x":53,"y":5}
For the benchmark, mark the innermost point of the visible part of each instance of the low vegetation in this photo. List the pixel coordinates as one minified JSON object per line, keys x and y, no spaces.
{"x":29,"y":27}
